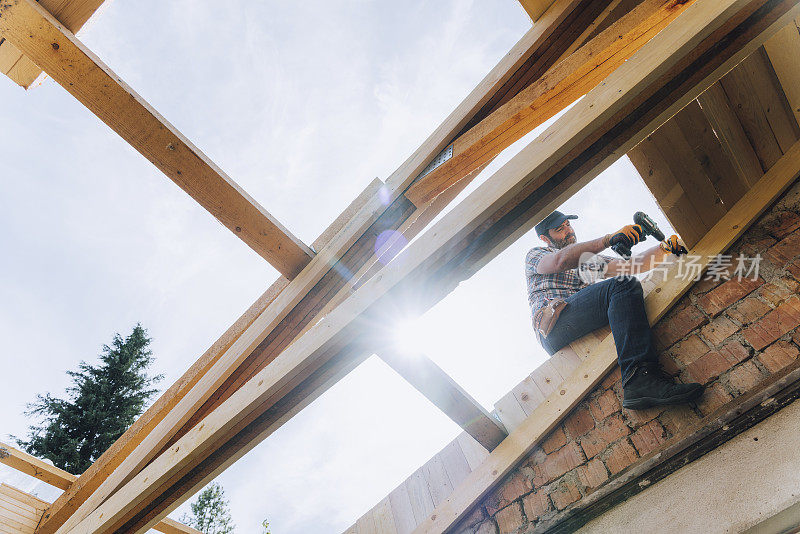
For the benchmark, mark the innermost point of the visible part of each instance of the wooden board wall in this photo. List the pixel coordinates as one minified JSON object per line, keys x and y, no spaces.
{"x":19,"y":511}
{"x":700,"y":162}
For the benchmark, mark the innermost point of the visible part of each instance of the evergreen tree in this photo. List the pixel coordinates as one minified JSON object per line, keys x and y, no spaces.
{"x":103,"y":401}
{"x":210,"y":513}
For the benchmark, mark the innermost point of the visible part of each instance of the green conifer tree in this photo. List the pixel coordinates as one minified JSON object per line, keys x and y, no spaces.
{"x":103,"y":401}
{"x":210,"y":513}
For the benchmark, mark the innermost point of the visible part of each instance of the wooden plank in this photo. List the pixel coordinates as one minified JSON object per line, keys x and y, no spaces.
{"x":566,"y":360}
{"x":783,"y":50}
{"x":73,"y":14}
{"x":366,"y":524}
{"x":522,"y":440}
{"x":743,"y":95}
{"x":420,"y":496}
{"x":510,"y":411}
{"x":708,"y":152}
{"x":438,"y":387}
{"x":528,"y":395}
{"x":546,"y":377}
{"x":435,"y":475}
{"x":667,"y":190}
{"x":473,"y":451}
{"x":40,"y":37}
{"x":717,"y":109}
{"x":770,"y":95}
{"x":30,"y":465}
{"x":691,"y":176}
{"x":663,"y":61}
{"x":535,"y":8}
{"x":559,"y":87}
{"x":170,"y":526}
{"x":403,"y":514}
{"x":383,"y":517}
{"x":455,"y":462}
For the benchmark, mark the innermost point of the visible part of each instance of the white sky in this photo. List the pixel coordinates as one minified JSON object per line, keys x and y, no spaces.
{"x":303,"y":104}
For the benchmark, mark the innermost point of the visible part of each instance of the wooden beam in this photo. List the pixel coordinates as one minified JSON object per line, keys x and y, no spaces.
{"x":445,"y":393}
{"x":33,"y":30}
{"x":784,"y":54}
{"x":33,"y":466}
{"x":361,"y":221}
{"x":646,"y":91}
{"x":558,"y":405}
{"x":563,"y":84}
{"x":535,"y":8}
{"x":73,"y":14}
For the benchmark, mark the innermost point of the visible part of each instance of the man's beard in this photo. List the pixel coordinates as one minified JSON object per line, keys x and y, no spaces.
{"x":568,"y":240}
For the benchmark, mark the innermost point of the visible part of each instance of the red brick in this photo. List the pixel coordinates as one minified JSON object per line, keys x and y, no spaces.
{"x":509,"y":519}
{"x":564,"y":459}
{"x":614,"y":376}
{"x":714,"y":363}
{"x":782,"y":224}
{"x":755,"y":245}
{"x":679,"y":420}
{"x":731,"y":291}
{"x":668,"y":364}
{"x":748,"y":310}
{"x":794,"y":269}
{"x":649,"y":437}
{"x":779,"y":290}
{"x":579,"y":422}
{"x":637,"y":418}
{"x":778,"y":355}
{"x":554,"y":441}
{"x":535,"y":505}
{"x":564,"y":494}
{"x":704,"y":285}
{"x":776,"y":323}
{"x":606,"y":432}
{"x":785,"y":250}
{"x":744,"y":377}
{"x":475,"y":516}
{"x":713,"y":397}
{"x":592,"y":474}
{"x":676,"y":325}
{"x":512,"y":488}
{"x":604,"y":405}
{"x":689,"y":349}
{"x":621,"y":456}
{"x":719,"y":330}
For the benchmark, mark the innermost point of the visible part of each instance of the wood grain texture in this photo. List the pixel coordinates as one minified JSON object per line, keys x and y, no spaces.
{"x":783,"y":51}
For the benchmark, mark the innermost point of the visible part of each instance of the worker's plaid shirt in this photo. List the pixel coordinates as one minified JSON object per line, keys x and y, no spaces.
{"x":545,"y":287}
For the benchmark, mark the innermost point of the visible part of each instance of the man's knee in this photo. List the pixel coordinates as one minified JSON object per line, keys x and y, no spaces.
{"x":627,"y":283}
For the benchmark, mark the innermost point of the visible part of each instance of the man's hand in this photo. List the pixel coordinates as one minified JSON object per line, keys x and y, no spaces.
{"x":673,"y":245}
{"x":630,"y":235}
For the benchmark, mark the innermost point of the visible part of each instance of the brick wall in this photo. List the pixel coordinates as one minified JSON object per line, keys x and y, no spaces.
{"x":728,"y":334}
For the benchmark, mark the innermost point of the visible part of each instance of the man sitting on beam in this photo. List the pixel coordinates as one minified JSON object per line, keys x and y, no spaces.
{"x":566,"y":305}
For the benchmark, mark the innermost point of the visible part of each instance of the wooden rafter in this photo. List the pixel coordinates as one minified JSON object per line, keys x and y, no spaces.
{"x":34,"y":31}
{"x":639,"y":96}
{"x":604,"y":356}
{"x":33,"y":466}
{"x":73,"y":14}
{"x":563,"y":84}
{"x":535,"y":8}
{"x":357,"y":224}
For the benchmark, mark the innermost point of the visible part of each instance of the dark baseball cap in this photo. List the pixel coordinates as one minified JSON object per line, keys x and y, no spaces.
{"x":553,"y":220}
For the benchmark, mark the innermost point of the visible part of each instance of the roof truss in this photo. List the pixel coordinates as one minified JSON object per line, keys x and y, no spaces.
{"x":277,"y":358}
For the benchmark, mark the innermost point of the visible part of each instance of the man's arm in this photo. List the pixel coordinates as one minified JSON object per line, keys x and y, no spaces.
{"x":568,"y":257}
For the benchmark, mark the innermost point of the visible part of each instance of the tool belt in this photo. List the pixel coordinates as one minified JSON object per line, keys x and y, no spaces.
{"x":545,"y":317}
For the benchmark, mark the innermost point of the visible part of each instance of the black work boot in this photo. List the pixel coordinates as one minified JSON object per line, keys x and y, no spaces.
{"x":649,"y":386}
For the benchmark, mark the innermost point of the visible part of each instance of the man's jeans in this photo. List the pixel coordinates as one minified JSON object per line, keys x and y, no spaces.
{"x":617,"y":301}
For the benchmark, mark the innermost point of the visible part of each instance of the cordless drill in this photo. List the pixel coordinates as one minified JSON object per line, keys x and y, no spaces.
{"x":648,"y":225}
